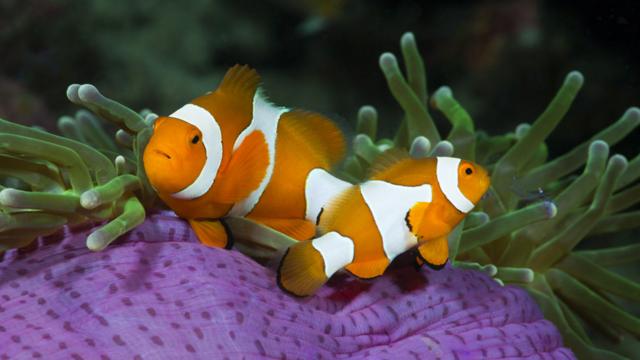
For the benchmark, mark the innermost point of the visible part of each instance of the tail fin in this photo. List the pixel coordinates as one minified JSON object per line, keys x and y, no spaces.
{"x":301,"y":270}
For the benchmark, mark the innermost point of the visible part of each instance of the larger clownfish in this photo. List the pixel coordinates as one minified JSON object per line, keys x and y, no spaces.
{"x":410,"y":203}
{"x":231,"y":152}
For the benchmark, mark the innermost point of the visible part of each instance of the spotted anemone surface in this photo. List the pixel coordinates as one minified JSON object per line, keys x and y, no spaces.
{"x":157,"y":293}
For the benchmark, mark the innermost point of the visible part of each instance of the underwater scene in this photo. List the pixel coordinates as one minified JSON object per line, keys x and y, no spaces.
{"x":319,"y":179}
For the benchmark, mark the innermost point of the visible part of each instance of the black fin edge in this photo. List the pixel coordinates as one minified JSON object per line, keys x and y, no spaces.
{"x":279,"y":279}
{"x":363,"y":278}
{"x":230,"y":238}
{"x":319,"y":214}
{"x":406,"y":219}
{"x":431,"y":265}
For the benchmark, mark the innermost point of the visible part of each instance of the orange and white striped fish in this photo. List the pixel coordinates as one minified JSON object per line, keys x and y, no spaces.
{"x":409,"y":203}
{"x":232,"y":152}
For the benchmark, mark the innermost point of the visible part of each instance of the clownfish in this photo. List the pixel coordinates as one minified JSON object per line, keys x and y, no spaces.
{"x":407,"y":203}
{"x":231,"y":152}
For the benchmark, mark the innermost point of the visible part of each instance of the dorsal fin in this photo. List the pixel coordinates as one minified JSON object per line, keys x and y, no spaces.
{"x":240,"y":81}
{"x":317,"y":132}
{"x":386,"y":160}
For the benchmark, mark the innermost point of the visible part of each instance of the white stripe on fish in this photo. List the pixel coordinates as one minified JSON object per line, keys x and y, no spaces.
{"x":447,"y":174}
{"x":212,"y":141}
{"x":265,"y":119}
{"x":387,"y":203}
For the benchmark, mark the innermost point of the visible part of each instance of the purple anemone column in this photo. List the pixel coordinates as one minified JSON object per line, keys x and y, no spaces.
{"x":158,"y":294}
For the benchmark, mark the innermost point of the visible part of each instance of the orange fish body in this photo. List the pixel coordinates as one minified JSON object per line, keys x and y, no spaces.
{"x":412,"y":203}
{"x":231,"y":152}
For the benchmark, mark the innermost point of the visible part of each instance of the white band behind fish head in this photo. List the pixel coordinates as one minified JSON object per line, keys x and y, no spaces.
{"x":212,"y":141}
{"x":447,"y":173}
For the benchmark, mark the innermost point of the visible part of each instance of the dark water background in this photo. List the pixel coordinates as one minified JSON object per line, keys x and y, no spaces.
{"x":504,"y":60}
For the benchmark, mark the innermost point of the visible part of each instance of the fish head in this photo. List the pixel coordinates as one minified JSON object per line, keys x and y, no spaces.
{"x":473,"y":180}
{"x":174,"y":156}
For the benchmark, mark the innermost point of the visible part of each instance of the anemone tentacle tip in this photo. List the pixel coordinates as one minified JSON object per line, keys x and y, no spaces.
{"x":388,"y":61}
{"x":64,"y":121}
{"x":575,"y":77}
{"x":492,"y":270}
{"x":89,"y":199}
{"x":89,"y":93}
{"x":443,"y":148}
{"x":619,"y":160}
{"x":150,"y":118}
{"x":72,"y":93}
{"x":528,"y":276}
{"x":441,"y":93}
{"x":96,"y":241}
{"x":521,"y":130}
{"x":633,"y":113}
{"x":599,"y":146}
{"x":420,"y":147}
{"x":367,"y":111}
{"x":483,"y":217}
{"x":361,"y":139}
{"x":407,"y":38}
{"x":8,"y":196}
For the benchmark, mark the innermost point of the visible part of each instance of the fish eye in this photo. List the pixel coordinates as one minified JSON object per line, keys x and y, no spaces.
{"x":195,"y":139}
{"x":468,"y":171}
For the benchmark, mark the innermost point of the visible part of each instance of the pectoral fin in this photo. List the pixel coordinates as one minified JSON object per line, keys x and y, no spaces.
{"x":368,"y":269}
{"x":213,"y":233}
{"x":416,"y":215}
{"x":434,"y":253}
{"x":245,"y":171}
{"x":424,"y":221}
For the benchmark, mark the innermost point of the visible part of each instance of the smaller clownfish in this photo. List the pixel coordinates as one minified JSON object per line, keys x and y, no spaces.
{"x":409,"y":203}
{"x":231,"y":152}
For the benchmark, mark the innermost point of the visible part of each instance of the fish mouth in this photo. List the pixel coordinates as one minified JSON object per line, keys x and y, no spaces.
{"x":162,"y":153}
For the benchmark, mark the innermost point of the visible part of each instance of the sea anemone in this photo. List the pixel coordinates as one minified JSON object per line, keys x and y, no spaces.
{"x":532,"y":245}
{"x":158,"y":293}
{"x":52,"y":181}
